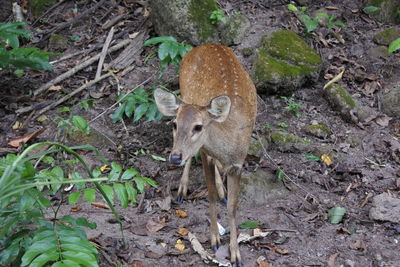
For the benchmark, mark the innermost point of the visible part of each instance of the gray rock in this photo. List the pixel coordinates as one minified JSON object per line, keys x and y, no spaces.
{"x":387,"y":36}
{"x":260,"y":187}
{"x":391,"y":102}
{"x":378,"y":52}
{"x":284,"y":62}
{"x":385,"y":208}
{"x":235,"y":29}
{"x":187,"y":20}
{"x":343,"y":102}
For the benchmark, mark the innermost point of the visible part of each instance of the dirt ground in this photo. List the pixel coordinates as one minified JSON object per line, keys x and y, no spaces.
{"x":295,"y":212}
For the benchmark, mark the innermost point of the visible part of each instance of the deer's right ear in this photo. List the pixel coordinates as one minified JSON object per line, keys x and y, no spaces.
{"x":166,"y":102}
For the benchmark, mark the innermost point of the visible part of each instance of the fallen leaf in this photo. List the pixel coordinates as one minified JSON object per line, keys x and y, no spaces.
{"x":183,"y":231}
{"x":152,"y":255}
{"x":326,"y":159}
{"x":331,"y":8}
{"x":358,"y":245}
{"x":164,"y":204}
{"x":332,"y":259}
{"x":155,"y":226}
{"x":55,"y":88}
{"x":99,"y":205}
{"x":181,"y":213}
{"x":336,"y":78}
{"x":75,"y":208}
{"x":382,"y":120}
{"x":257,"y":232}
{"x":139,"y":230}
{"x":42,"y":118}
{"x":17,"y":125}
{"x":104,"y":168}
{"x":335,"y":214}
{"x":25,"y":138}
{"x":136,"y":263}
{"x":164,"y":245}
{"x":179,"y":245}
{"x":264,"y":264}
{"x":276,"y":248}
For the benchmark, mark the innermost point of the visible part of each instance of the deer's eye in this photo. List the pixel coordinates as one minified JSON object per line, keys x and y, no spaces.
{"x":198,"y":128}
{"x":174,"y":125}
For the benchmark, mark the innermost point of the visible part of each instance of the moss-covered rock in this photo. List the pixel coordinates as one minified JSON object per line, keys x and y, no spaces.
{"x":287,"y":142}
{"x":284,"y":62}
{"x":318,"y":130}
{"x":57,"y":43}
{"x":387,"y":12}
{"x":185,"y":20}
{"x":38,"y":7}
{"x":387,"y":36}
{"x":256,"y":147}
{"x":343,"y":102}
{"x":235,"y":29}
{"x":391,"y":102}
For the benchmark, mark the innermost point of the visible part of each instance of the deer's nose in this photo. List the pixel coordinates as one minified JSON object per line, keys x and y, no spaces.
{"x":175,"y":159}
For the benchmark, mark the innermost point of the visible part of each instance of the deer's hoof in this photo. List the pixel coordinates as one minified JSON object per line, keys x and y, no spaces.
{"x":237,"y":264}
{"x":179,"y":199}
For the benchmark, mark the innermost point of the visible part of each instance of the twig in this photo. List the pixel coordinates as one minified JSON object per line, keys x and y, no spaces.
{"x":61,"y":100}
{"x":122,"y":98}
{"x":104,"y":52}
{"x":79,"y":67}
{"x":73,"y":21}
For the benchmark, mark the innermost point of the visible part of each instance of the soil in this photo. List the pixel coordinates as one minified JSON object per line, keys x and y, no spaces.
{"x":300,"y":233}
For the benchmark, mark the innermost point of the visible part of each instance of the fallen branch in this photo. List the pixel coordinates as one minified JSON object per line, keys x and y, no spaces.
{"x":78,"y":68}
{"x":64,"y":98}
{"x":104,"y":52}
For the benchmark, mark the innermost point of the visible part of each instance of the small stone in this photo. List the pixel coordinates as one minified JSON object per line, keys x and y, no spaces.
{"x":391,"y":102}
{"x":385,"y":208}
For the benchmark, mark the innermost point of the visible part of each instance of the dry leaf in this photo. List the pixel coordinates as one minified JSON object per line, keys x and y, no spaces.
{"x":75,"y":208}
{"x":277,"y":249}
{"x":358,"y":245}
{"x":104,"y":168}
{"x":17,"y":125}
{"x":24,"y":139}
{"x":326,"y":159}
{"x":264,"y":264}
{"x":152,"y":255}
{"x":257,"y":232}
{"x":42,"y":118}
{"x":331,"y":8}
{"x":164,"y":245}
{"x":181,"y":213}
{"x":136,"y":263}
{"x":155,"y":226}
{"x":336,"y":78}
{"x":183,"y":231}
{"x":164,"y":204}
{"x":179,"y":245}
{"x":55,"y":88}
{"x":332,"y":259}
{"x":382,"y":120}
{"x":99,"y":205}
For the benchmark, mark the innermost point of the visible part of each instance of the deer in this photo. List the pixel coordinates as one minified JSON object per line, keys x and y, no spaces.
{"x":215,"y":114}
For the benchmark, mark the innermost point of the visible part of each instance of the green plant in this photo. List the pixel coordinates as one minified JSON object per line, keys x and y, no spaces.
{"x":74,"y":122}
{"x":292,"y":105}
{"x":217,"y":16}
{"x":136,"y":105}
{"x":312,"y":23}
{"x":267,"y":126}
{"x":282,"y":125}
{"x":312,"y":157}
{"x":170,"y":51}
{"x":22,"y":58}
{"x":27,"y":236}
{"x":394,"y":46}
{"x":371,"y":9}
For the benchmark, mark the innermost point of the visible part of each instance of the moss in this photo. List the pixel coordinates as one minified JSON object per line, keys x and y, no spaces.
{"x":39,"y":6}
{"x":57,"y":42}
{"x":345,"y":96}
{"x":268,"y":68}
{"x":247,"y":51}
{"x":319,"y":127}
{"x":385,"y":37}
{"x":199,"y":12}
{"x":235,"y":29}
{"x":387,"y":12}
{"x":287,"y":45}
{"x":285,"y":138}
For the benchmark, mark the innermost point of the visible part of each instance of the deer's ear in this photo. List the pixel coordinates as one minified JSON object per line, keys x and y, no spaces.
{"x":166,"y":102}
{"x":219,"y":108}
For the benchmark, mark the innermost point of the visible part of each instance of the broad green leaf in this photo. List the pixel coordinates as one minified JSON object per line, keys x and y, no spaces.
{"x":73,"y":198}
{"x":121,"y":194}
{"x":394,"y":46}
{"x":311,"y":25}
{"x":163,"y":50}
{"x":129,"y":174}
{"x":81,"y":258}
{"x":131,"y":191}
{"x":370,"y":9}
{"x":140,"y":183}
{"x":38,"y":248}
{"x":249,"y":225}
{"x":109,"y":192}
{"x":151,"y":112}
{"x":115,"y":173}
{"x":81,"y":124}
{"x":89,"y":195}
{"x":292,"y":7}
{"x":130,"y":106}
{"x":335,"y":214}
{"x":117,"y":115}
{"x":46,"y":256}
{"x":160,"y":39}
{"x":66,"y":263}
{"x":312,"y":157}
{"x":140,"y":111}
{"x":84,"y":222}
{"x":281,"y":175}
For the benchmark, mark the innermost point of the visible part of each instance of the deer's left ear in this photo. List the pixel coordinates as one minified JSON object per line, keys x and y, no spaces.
{"x":219,"y":108}
{"x":166,"y":102}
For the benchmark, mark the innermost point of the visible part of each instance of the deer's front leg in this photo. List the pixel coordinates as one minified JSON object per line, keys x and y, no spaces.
{"x":183,"y":185}
{"x":234,"y":174}
{"x":209,"y":174}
